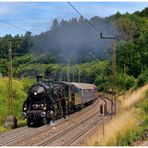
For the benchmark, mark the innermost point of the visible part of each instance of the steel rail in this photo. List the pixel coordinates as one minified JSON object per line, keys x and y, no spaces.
{"x":52,"y":139}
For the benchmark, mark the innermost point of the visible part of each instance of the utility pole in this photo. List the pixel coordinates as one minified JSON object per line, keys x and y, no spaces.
{"x":79,"y":79}
{"x":103,"y":120}
{"x":73,"y":76}
{"x":10,"y":96}
{"x":11,"y":120}
{"x":124,"y":93}
{"x":73,"y":72}
{"x":60,"y":76}
{"x":114,"y":73}
{"x":68,"y":70}
{"x":103,"y":111}
{"x":113,"y":68}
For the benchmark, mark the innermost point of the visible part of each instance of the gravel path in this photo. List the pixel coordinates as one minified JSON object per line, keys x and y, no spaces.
{"x":145,"y":143}
{"x":13,"y":135}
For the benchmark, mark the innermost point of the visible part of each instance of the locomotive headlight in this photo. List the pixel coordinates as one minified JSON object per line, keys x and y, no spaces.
{"x":25,"y":108}
{"x":35,"y":106}
{"x":35,"y":93}
{"x":45,"y":107}
{"x":41,"y":106}
{"x":51,"y":112}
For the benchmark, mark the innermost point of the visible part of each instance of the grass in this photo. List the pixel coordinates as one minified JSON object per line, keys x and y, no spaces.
{"x":135,"y":97}
{"x":20,"y":123}
{"x":19,"y":89}
{"x":116,"y":128}
{"x":128,"y":126}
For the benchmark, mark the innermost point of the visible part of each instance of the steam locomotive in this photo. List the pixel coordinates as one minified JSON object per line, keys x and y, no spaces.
{"x":48,"y":100}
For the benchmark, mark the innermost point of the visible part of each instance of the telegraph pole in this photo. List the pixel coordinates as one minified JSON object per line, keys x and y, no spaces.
{"x":79,"y":79}
{"x":103,"y":120}
{"x":10,"y":96}
{"x":68,"y":71}
{"x":73,"y":78}
{"x":11,"y":120}
{"x":60,"y":76}
{"x":113,"y":68}
{"x":114,"y":73}
{"x":124,"y":94}
{"x":73,"y":72}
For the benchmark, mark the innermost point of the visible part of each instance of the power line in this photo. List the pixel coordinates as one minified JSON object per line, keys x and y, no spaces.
{"x":42,"y":38}
{"x":98,"y":31}
{"x":22,"y":29}
{"x":32,"y":61}
{"x":99,"y":61}
{"x":15,"y":26}
{"x":92,"y":25}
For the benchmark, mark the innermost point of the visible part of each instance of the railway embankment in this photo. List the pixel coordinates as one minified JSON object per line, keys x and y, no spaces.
{"x":130,"y":124}
{"x":20,"y":88}
{"x":63,"y":132}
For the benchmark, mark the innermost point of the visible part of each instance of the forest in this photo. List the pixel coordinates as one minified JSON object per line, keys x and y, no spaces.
{"x":73,"y":39}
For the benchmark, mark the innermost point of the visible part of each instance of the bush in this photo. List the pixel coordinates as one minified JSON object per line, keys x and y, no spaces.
{"x":142,"y":79}
{"x":19,"y":95}
{"x":130,"y":82}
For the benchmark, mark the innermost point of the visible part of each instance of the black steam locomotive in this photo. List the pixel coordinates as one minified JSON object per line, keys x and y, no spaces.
{"x":48,"y":100}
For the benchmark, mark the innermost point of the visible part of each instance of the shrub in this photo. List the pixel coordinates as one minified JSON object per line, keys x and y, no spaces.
{"x":130,"y":82}
{"x":143,"y":78}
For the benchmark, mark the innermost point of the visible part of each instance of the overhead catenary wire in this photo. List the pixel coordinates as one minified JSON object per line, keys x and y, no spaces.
{"x":15,"y":26}
{"x":98,"y":31}
{"x":99,"y":61}
{"x":25,"y":30}
{"x":92,"y":25}
{"x":22,"y":29}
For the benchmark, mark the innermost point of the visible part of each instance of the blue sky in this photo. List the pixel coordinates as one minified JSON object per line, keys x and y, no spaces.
{"x":38,"y":16}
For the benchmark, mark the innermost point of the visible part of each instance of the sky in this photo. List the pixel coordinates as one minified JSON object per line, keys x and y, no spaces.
{"x":37,"y":17}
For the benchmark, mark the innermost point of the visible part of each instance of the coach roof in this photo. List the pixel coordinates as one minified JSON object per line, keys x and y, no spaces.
{"x":79,"y":85}
{"x":83,"y":85}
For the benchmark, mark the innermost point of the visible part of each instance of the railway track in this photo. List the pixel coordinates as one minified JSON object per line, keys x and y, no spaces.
{"x":52,"y":139}
{"x":21,"y":135}
{"x":86,"y":130}
{"x":10,"y":137}
{"x":71,"y":134}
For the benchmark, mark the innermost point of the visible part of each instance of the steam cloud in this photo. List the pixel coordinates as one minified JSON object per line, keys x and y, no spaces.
{"x":75,"y":38}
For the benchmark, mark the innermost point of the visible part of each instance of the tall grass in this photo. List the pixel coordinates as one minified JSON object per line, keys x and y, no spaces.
{"x":135,"y":97}
{"x":19,"y":95}
{"x":118,"y":127}
{"x":122,"y":129}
